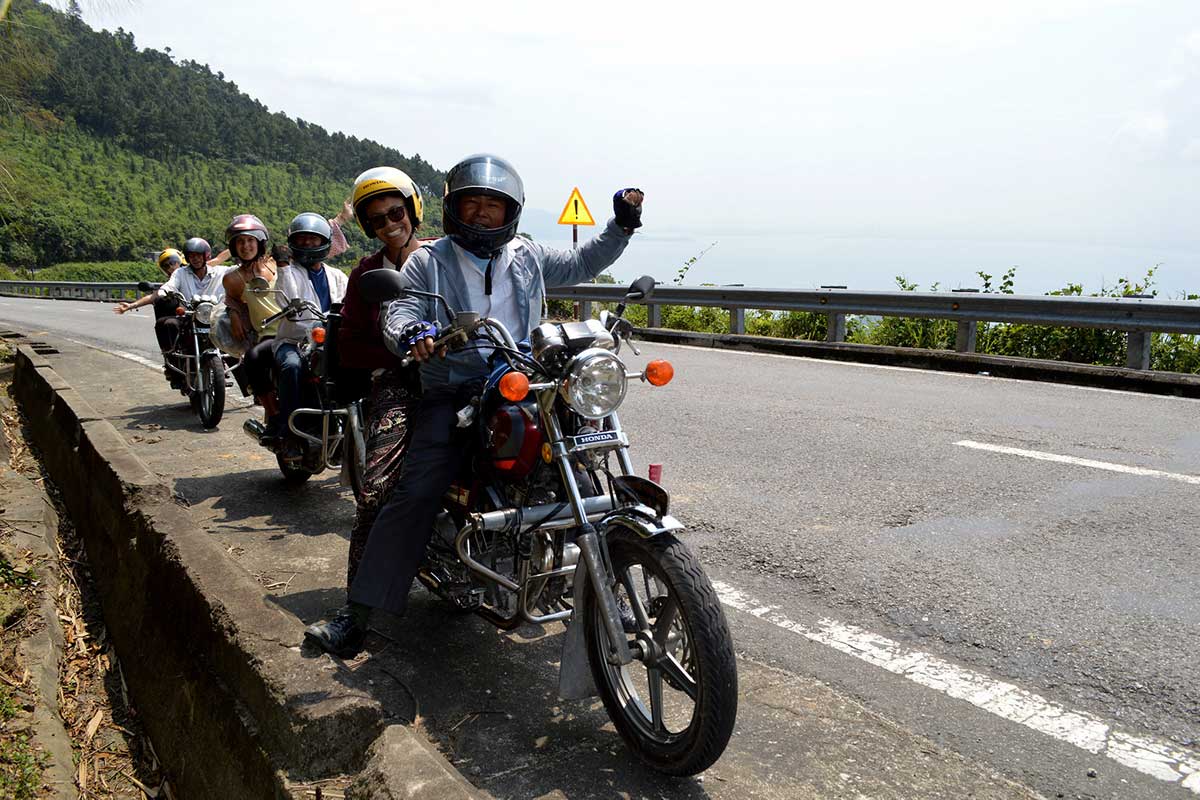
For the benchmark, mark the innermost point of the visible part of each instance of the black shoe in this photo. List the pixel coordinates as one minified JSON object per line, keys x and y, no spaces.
{"x":341,"y":635}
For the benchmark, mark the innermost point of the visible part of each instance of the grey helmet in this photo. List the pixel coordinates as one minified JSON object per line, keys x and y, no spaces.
{"x":487,"y":175}
{"x":198,"y":245}
{"x":308,"y":222}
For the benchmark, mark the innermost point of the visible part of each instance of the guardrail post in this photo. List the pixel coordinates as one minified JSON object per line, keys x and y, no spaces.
{"x":967,"y":337}
{"x":1138,"y":350}
{"x":653,"y":316}
{"x":737,"y":320}
{"x":835,"y":327}
{"x":585,"y":310}
{"x":835,"y":330}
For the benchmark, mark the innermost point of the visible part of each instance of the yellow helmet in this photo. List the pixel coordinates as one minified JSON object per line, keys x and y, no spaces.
{"x":386,"y":180}
{"x":166,"y":255}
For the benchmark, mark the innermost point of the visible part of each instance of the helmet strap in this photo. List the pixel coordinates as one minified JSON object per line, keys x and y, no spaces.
{"x":487,"y":276}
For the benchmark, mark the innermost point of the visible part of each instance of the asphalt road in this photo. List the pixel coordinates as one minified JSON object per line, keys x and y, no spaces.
{"x":1007,"y":568}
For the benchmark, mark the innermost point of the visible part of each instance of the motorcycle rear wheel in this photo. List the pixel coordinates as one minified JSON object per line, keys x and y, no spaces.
{"x":675,"y":711}
{"x":210,"y":403}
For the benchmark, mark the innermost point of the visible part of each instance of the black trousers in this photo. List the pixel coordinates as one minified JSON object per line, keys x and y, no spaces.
{"x":260,"y":361}
{"x":396,"y":543}
{"x":166,"y":329}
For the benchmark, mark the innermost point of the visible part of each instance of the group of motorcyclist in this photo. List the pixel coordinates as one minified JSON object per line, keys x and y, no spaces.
{"x":413,"y":449}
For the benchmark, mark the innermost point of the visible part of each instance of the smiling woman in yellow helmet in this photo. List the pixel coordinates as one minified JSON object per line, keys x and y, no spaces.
{"x":388,"y":207}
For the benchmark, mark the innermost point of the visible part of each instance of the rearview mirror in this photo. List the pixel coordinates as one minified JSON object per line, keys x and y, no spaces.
{"x":259,"y":284}
{"x":380,"y":286}
{"x":146,"y":286}
{"x":641,"y":288}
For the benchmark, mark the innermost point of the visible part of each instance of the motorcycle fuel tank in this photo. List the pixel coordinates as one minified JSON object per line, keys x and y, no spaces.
{"x":514,"y":439}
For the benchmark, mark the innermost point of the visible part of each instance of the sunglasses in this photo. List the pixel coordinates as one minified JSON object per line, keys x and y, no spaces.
{"x":395,"y":214}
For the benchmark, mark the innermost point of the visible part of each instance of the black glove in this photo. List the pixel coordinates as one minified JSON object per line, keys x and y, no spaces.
{"x":628,"y":215}
{"x":413,"y":332}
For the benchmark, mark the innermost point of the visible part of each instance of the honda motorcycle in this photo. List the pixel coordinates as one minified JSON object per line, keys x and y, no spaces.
{"x":329,"y":424}
{"x":195,"y":366}
{"x":552,"y":524}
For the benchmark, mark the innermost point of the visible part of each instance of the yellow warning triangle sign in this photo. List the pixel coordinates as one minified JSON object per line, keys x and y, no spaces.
{"x":575,"y":212}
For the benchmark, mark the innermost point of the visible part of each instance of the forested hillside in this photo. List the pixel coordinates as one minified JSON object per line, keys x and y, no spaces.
{"x":111,"y":152}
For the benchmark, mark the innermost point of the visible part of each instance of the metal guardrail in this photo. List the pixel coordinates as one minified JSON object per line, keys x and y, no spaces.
{"x":70,"y":290}
{"x":1139,"y":317}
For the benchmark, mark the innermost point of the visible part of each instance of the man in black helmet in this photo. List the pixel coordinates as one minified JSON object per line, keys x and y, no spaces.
{"x":481,"y":265}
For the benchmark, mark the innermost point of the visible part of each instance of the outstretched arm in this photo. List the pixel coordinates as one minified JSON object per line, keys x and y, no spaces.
{"x":568,"y":267}
{"x":121,"y":308}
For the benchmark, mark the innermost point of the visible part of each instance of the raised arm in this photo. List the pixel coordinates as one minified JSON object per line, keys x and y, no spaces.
{"x":568,"y":267}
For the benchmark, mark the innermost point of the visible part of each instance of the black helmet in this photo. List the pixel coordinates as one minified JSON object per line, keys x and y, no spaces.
{"x":197,"y":245}
{"x":308,"y":222}
{"x":487,"y":175}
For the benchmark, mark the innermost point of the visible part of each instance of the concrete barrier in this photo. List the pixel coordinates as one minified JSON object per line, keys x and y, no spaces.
{"x":216,"y":672}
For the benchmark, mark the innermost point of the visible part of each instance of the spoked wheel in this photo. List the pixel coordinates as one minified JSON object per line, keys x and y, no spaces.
{"x":210,"y":403}
{"x":675,"y":704}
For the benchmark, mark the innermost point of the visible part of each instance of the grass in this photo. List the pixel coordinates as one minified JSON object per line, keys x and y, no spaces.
{"x":20,"y":769}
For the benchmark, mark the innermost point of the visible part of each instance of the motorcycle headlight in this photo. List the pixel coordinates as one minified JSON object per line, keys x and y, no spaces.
{"x":204,"y":313}
{"x":595,"y":384}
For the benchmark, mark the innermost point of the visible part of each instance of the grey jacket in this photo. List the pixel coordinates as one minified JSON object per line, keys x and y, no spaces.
{"x":531,"y":267}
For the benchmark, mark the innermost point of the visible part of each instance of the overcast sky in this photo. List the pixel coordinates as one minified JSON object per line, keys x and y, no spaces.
{"x":1074,"y":123}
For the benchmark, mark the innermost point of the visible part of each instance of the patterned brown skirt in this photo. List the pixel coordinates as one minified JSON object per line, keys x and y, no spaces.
{"x":387,"y":410}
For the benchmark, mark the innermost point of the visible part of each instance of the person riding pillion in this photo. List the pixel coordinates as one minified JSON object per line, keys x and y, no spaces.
{"x":248,"y":240}
{"x":482,"y":266}
{"x":307,"y":278}
{"x":389,"y":207}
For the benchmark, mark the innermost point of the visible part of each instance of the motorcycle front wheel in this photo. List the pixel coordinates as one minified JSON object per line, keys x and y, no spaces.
{"x":293,"y":474}
{"x":675,"y":704}
{"x":210,"y":403}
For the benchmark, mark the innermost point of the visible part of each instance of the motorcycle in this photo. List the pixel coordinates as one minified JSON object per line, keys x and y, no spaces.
{"x":329,"y":424}
{"x":197,"y":366}
{"x":551,"y":524}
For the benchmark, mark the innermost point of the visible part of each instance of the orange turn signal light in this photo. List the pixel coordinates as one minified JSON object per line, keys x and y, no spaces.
{"x":514,"y":386}
{"x":318,"y":335}
{"x":180,"y":311}
{"x":659,"y":372}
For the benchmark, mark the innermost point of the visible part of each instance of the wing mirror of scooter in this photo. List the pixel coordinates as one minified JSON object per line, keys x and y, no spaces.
{"x":384,"y":285}
{"x":147,"y":286}
{"x":259,"y":284}
{"x":640,"y":289}
{"x":380,"y":286}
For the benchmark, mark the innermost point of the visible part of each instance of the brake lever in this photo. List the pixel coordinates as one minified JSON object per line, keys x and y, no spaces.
{"x":444,"y":340}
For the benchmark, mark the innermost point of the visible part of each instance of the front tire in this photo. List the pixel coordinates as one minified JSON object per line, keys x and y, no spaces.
{"x":210,"y":403}
{"x":676,"y":708}
{"x":293,"y":474}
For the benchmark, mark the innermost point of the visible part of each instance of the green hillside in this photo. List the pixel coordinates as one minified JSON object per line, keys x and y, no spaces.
{"x":108,"y":152}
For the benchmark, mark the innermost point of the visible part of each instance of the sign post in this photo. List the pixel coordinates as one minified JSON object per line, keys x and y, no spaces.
{"x":575,"y":213}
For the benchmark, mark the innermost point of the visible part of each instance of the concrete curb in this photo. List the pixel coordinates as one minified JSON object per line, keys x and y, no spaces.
{"x":232,"y":706}
{"x":33,"y":523}
{"x":1132,"y":380}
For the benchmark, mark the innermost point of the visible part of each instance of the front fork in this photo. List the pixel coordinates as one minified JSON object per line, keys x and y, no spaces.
{"x":591,"y":547}
{"x":199,"y":372}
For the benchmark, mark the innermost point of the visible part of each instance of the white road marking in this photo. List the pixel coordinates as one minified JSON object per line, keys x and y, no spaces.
{"x":1080,"y":462}
{"x":1147,"y":754}
{"x":145,"y":362}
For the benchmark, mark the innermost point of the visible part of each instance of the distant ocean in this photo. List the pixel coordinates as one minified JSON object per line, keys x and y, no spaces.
{"x":872,"y":264}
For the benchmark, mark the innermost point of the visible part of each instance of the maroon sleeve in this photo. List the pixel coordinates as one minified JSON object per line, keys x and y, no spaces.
{"x":360,"y":341}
